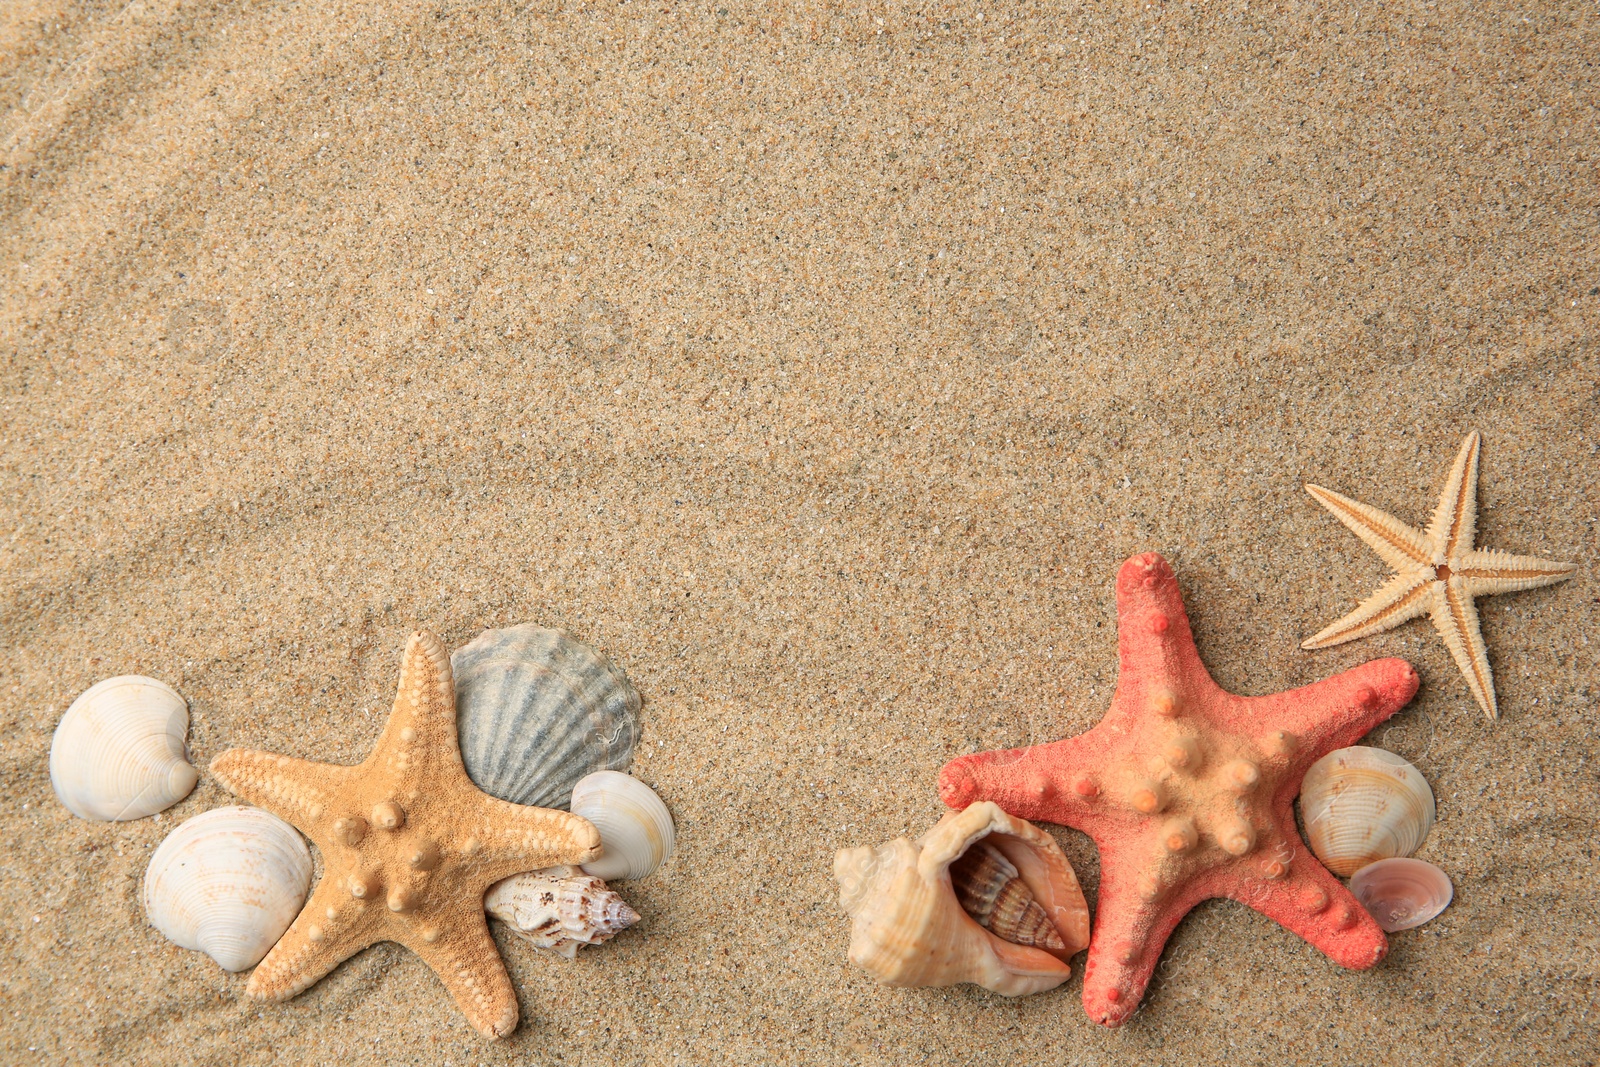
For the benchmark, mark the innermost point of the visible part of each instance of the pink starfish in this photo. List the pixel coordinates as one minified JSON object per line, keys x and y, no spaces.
{"x":1188,"y":792}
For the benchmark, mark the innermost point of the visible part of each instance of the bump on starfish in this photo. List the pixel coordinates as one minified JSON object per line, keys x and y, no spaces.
{"x":409,"y":845}
{"x":1188,"y":792}
{"x":1438,"y":572}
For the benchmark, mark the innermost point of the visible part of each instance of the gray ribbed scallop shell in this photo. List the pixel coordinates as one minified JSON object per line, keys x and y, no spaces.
{"x":537,"y":710}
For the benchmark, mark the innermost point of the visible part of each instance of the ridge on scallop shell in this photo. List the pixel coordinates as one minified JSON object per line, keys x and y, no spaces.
{"x":119,"y":751}
{"x":537,"y":710}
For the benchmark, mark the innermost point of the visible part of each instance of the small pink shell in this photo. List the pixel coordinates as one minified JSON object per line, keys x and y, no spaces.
{"x":1402,"y":893}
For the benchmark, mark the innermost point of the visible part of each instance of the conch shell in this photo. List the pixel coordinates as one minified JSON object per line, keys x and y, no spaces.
{"x":910,"y":928}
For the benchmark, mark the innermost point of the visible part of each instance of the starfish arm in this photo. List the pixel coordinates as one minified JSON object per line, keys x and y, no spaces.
{"x":1455,"y":616}
{"x":1025,"y":782}
{"x":422,"y":725}
{"x":1401,"y":598}
{"x":1488,"y":571}
{"x":1312,"y":903}
{"x":1155,"y":646}
{"x":511,"y":838}
{"x":295,"y":790}
{"x":1333,"y":713}
{"x":1129,"y":935}
{"x":1401,"y":546}
{"x":467,"y":961}
{"x":315,"y":943}
{"x":1455,"y":520}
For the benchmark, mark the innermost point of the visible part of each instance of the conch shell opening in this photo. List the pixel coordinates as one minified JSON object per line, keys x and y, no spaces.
{"x":991,"y":890}
{"x":910,"y":928}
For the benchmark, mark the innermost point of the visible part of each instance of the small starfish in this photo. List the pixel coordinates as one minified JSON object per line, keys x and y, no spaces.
{"x":409,"y":845}
{"x":1188,"y":792}
{"x":1437,"y":573}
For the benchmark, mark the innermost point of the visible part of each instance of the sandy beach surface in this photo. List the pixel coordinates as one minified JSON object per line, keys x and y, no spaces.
{"x":820,"y":366}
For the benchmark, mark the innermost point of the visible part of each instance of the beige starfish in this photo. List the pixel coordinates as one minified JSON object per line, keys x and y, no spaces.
{"x":1438,"y":572}
{"x":409,"y":845}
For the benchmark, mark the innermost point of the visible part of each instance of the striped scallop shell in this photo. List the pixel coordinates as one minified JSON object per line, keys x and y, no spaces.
{"x":118,"y":753}
{"x":537,"y":710}
{"x":1364,"y":804}
{"x":558,"y":909}
{"x":228,"y":883}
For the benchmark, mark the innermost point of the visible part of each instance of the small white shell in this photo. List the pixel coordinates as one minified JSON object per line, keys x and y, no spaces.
{"x":228,"y":883}
{"x":557,"y":909}
{"x":1364,"y":804}
{"x":1401,"y":893}
{"x":536,"y":710}
{"x":118,"y":753}
{"x":636,"y":833}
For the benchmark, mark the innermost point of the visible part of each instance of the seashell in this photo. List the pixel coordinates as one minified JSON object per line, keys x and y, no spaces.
{"x":118,"y":753}
{"x":1402,"y":893}
{"x":1364,"y":804}
{"x":992,"y":891}
{"x":636,"y":831}
{"x":557,"y":909}
{"x":909,"y":928}
{"x":537,"y":710}
{"x":228,"y":883}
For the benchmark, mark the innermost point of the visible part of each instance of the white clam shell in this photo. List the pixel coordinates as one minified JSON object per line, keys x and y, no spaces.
{"x":536,"y":710}
{"x":228,"y":883}
{"x":636,"y":832}
{"x":558,"y":909}
{"x":118,"y":753}
{"x":1402,"y":893}
{"x":1364,"y":804}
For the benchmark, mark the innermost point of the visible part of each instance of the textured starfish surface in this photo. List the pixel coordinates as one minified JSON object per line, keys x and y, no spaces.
{"x":1437,"y":572}
{"x":1188,"y":791}
{"x":409,"y":845}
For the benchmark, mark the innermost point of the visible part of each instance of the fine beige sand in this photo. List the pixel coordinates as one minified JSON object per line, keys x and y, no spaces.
{"x":820,"y":368}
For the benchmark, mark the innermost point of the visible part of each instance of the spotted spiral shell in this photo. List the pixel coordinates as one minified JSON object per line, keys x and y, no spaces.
{"x":559,"y":909}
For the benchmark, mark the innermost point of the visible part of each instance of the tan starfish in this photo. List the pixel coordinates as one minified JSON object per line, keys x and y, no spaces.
{"x":409,"y":845}
{"x":1438,"y":572}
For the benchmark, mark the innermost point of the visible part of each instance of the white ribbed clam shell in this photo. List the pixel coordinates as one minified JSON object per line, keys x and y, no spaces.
{"x":537,"y":710}
{"x":636,"y":833}
{"x":118,"y":753}
{"x":1364,"y":804}
{"x":557,"y":909}
{"x":228,"y":883}
{"x":1401,"y":893}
